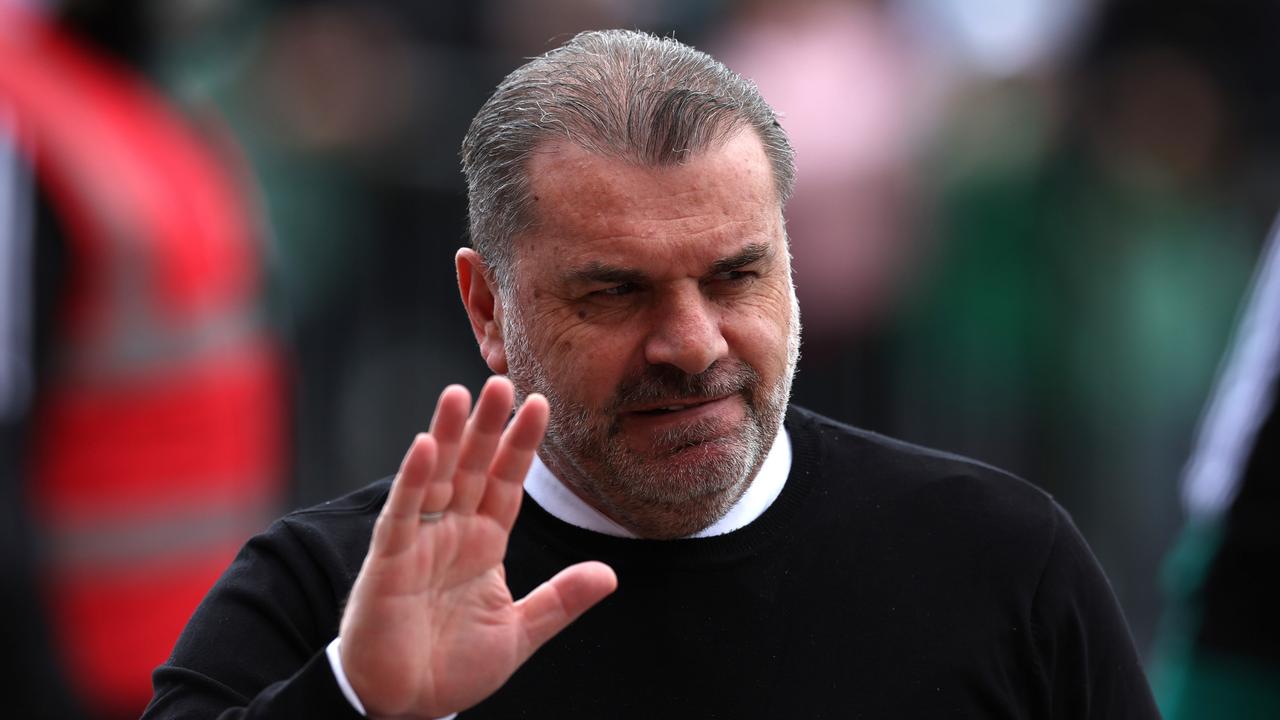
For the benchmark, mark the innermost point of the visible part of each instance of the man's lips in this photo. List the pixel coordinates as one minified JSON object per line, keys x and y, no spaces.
{"x":668,"y":407}
{"x":675,"y":424}
{"x":671,"y":414}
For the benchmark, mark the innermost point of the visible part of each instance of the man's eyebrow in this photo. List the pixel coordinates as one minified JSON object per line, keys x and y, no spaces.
{"x":753,"y":252}
{"x":598,"y":272}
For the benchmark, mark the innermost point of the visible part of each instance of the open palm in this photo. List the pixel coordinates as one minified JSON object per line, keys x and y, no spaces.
{"x":431,"y":628}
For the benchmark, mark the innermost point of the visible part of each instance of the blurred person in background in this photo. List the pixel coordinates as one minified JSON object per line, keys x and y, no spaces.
{"x":1219,"y":650}
{"x":851,"y":90}
{"x":340,"y":107}
{"x":1095,"y":213}
{"x":141,"y":392}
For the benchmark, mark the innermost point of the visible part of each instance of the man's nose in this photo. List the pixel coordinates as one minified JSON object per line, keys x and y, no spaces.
{"x":686,"y":333}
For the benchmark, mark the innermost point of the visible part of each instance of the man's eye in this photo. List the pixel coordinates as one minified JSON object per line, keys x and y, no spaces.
{"x":733,"y":277}
{"x":616,"y":290}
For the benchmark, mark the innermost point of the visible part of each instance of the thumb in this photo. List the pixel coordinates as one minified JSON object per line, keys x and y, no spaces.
{"x":559,"y":601}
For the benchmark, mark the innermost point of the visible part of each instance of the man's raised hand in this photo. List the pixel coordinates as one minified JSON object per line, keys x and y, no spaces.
{"x":430,"y":627}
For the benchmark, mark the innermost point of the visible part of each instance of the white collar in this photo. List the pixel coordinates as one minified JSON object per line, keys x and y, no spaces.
{"x":552,"y":495}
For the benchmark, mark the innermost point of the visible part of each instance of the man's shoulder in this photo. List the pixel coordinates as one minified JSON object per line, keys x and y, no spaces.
{"x":357,"y":503}
{"x":832,"y":436}
{"x":353,"y":512}
{"x":927,"y":487}
{"x":333,"y":535}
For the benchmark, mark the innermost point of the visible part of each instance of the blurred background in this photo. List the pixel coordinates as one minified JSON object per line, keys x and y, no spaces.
{"x":1023,"y":231}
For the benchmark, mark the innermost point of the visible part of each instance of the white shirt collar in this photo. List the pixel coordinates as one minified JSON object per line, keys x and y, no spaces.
{"x":552,"y":495}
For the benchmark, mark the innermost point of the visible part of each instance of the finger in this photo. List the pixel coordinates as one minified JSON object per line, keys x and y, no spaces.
{"x":559,"y":601}
{"x":479,"y":441}
{"x":397,"y":523}
{"x":447,"y":425}
{"x":511,"y":463}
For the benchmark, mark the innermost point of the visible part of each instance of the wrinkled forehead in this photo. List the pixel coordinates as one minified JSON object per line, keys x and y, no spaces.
{"x":585,"y":203}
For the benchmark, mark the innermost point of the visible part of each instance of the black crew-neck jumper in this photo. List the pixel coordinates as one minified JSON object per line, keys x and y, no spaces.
{"x":885,"y":581}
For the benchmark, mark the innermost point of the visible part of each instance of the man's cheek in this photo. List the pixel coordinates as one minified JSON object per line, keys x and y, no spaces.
{"x":760,"y":340}
{"x":581,"y":371}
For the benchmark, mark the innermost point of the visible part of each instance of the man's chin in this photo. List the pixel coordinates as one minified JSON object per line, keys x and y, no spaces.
{"x":702,"y":455}
{"x":688,"y":472}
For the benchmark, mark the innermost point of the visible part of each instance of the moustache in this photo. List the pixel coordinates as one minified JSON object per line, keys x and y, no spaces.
{"x":664,"y":383}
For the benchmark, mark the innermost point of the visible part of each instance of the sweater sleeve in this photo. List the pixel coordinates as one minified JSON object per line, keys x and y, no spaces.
{"x":255,"y":647}
{"x":1086,"y":652}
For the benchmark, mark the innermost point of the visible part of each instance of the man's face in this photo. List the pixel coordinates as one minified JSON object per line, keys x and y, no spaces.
{"x":654,"y":309}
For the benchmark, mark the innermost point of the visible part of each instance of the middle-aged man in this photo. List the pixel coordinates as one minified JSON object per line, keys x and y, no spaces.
{"x":630,"y":274}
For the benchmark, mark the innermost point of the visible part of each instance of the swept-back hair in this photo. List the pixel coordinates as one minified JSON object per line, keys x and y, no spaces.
{"x":621,"y":94}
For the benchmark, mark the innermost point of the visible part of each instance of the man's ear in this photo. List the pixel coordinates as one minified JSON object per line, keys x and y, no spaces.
{"x":484,"y":308}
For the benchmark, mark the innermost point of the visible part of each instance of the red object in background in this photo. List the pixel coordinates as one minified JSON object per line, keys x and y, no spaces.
{"x":158,"y":434}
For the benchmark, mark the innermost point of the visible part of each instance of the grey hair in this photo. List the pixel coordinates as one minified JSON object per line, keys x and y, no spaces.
{"x":621,"y":94}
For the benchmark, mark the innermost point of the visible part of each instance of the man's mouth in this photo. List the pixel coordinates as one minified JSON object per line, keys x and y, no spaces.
{"x":673,"y":406}
{"x":669,"y":425}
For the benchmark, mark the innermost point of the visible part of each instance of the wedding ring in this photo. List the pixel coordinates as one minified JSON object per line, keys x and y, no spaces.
{"x":430,"y":517}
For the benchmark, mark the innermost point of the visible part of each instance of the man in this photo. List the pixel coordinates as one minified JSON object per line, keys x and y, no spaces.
{"x":630,"y":274}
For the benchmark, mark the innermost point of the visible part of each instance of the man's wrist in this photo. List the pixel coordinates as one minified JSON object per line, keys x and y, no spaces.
{"x":334,"y":652}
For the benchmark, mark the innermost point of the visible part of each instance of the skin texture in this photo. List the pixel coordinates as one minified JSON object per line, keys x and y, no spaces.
{"x":641,"y":288}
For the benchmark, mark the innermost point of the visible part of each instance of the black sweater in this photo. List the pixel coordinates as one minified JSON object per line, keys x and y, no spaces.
{"x":886,"y":581}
